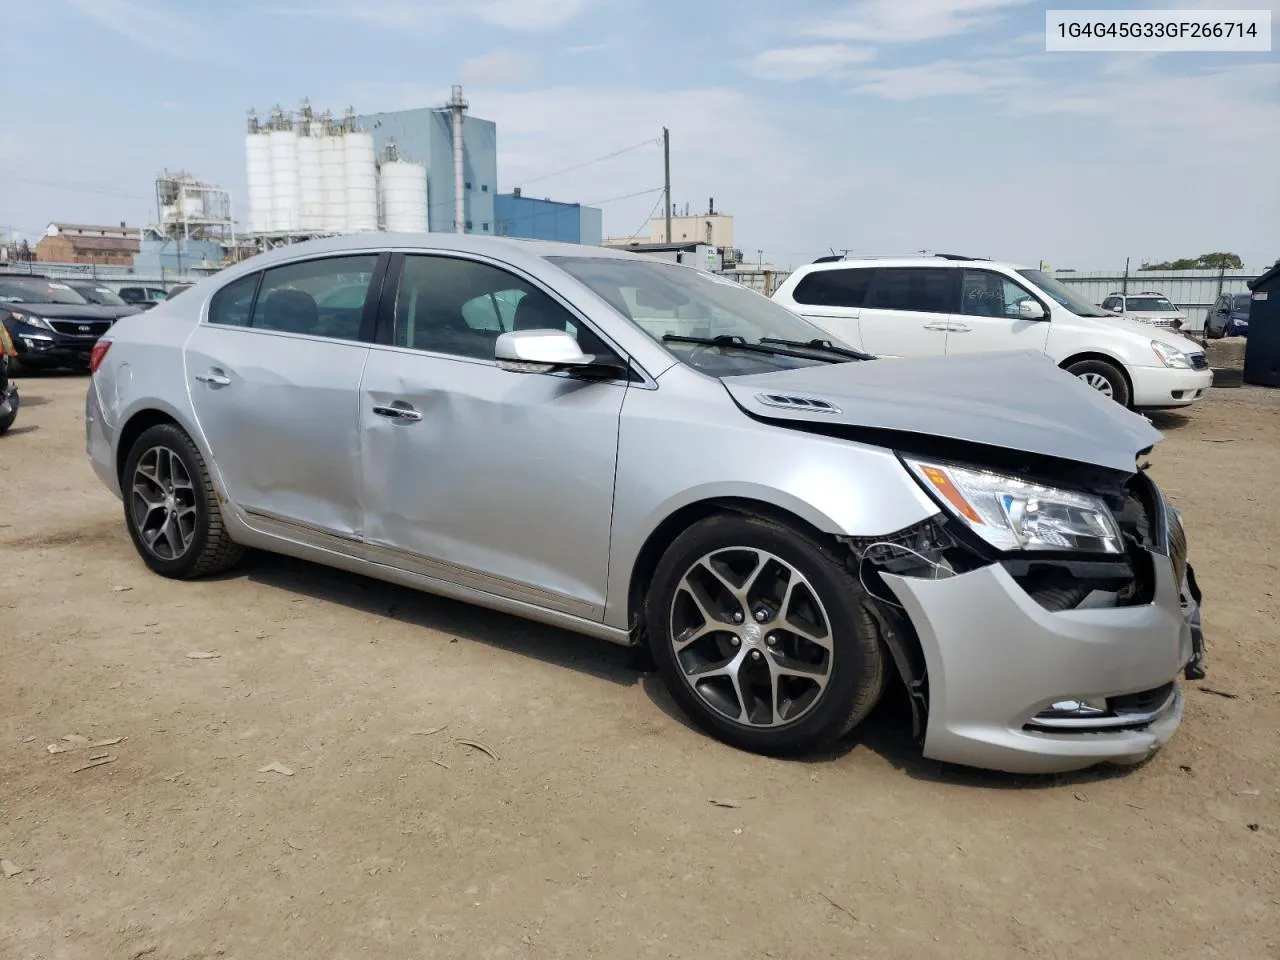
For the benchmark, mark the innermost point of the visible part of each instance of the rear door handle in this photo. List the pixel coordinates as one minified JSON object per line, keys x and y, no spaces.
{"x":960,"y":328}
{"x":214,"y":378}
{"x":941,"y":327}
{"x":398,"y":411}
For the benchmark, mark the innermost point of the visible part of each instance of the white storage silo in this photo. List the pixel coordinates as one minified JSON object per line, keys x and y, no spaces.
{"x":334,"y":178}
{"x":404,"y":196}
{"x":362,"y":181}
{"x":257,"y":156}
{"x":284,"y":181}
{"x":310,"y":183}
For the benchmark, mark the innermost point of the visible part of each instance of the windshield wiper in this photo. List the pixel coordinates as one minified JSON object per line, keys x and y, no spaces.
{"x":826,"y":346}
{"x":736,"y":342}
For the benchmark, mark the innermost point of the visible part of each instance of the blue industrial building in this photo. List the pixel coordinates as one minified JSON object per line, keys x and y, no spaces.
{"x":425,"y":135}
{"x":520,"y":216}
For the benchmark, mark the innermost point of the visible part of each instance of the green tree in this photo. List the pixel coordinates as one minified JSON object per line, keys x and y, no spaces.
{"x":1206,"y":261}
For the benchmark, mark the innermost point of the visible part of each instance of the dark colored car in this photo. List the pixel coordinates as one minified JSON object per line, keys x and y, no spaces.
{"x":51,"y":325}
{"x":178,"y":288}
{"x":103,"y":296}
{"x":143,"y":297}
{"x":9,"y":399}
{"x":1228,"y":317}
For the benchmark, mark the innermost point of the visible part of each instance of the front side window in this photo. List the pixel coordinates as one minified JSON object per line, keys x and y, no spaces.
{"x":323,"y":298}
{"x":1061,"y":294}
{"x":984,"y":294}
{"x":1110,"y":303}
{"x":834,"y":288}
{"x":918,"y":289}
{"x":1241,"y":302}
{"x":461,"y":307}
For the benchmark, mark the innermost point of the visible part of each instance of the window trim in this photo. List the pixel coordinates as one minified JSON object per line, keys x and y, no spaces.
{"x":368,"y":315}
{"x":1048,"y":313}
{"x":385,"y":334}
{"x":953,"y":293}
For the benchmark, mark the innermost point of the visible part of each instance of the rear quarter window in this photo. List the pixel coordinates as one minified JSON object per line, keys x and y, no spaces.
{"x":232,"y":306}
{"x":833,"y":288}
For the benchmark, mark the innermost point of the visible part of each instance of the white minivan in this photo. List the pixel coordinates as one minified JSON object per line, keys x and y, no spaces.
{"x":931,"y":306}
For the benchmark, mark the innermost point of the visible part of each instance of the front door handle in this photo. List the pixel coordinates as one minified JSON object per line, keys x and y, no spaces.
{"x":214,"y":378}
{"x":941,"y":327}
{"x":398,"y":412}
{"x":960,"y":328}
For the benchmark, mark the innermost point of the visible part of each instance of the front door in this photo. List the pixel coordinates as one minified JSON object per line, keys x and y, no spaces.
{"x":498,"y":481}
{"x":989,"y":319}
{"x":908,"y":311}
{"x":274,"y":377}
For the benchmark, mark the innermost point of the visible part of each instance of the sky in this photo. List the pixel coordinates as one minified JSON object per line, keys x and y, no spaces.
{"x":876,"y":126}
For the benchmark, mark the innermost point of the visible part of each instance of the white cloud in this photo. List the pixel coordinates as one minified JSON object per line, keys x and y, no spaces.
{"x":905,"y":21}
{"x":530,"y":16}
{"x":941,"y":78}
{"x":807,"y":62}
{"x":157,"y":28}
{"x":496,"y":69}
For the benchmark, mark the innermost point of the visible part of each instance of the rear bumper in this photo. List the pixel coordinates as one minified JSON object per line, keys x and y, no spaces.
{"x":997,"y":661}
{"x":1167,"y":387}
{"x":98,"y":440}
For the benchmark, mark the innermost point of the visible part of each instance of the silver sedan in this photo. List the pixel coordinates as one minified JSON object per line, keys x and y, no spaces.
{"x":650,"y":454}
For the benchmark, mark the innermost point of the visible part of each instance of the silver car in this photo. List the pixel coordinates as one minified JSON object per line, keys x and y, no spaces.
{"x":651,"y":454}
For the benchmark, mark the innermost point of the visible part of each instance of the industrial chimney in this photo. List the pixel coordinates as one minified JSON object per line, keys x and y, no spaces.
{"x":456,"y":106}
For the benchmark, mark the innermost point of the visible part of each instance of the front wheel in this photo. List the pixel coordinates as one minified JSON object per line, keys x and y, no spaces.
{"x":1104,"y":377}
{"x":762,"y":636}
{"x":171,"y":508}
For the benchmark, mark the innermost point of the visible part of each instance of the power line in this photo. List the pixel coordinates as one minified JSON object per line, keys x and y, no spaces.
{"x":587,"y":163}
{"x":77,"y":186}
{"x":646,"y":220}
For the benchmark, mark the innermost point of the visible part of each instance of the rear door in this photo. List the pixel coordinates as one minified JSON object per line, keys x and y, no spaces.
{"x":988,"y":319}
{"x":833,"y":300}
{"x":909,"y":311}
{"x":274,"y":379}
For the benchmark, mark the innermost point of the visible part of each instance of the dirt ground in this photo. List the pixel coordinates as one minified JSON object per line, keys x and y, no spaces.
{"x":589,"y":832}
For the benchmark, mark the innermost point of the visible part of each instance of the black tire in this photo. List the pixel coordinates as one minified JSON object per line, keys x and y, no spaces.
{"x":7,"y":421}
{"x":211,"y":549}
{"x":856,"y":670}
{"x":1090,"y":370}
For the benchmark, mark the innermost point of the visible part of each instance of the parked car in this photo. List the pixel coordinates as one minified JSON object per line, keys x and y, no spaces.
{"x":647,"y":453}
{"x":957,"y":306}
{"x":1149,"y":307}
{"x":143,"y":297}
{"x":178,"y":288}
{"x":51,"y":325}
{"x":1229,"y":316}
{"x":103,"y":296}
{"x":9,"y":398}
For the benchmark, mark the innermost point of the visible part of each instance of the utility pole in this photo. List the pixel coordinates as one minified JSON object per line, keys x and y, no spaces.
{"x":666,"y":175}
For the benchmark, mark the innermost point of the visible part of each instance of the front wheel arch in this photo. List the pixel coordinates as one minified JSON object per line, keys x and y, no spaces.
{"x":1109,"y":360}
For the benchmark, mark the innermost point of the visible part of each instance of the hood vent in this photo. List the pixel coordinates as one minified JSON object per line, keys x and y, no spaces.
{"x":790,"y":401}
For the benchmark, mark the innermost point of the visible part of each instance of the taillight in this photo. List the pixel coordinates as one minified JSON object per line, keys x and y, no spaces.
{"x":98,"y":354}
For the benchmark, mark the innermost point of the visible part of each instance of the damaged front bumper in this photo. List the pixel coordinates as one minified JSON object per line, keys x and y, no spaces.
{"x":1017,"y":687}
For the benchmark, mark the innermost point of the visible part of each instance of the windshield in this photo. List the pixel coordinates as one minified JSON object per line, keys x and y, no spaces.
{"x":1064,"y":295}
{"x":1240,"y":303}
{"x":102,"y":295}
{"x":34,"y":290}
{"x":1150,"y":305}
{"x":669,"y":300}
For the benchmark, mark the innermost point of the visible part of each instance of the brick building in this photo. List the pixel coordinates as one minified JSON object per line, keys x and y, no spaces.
{"x":86,"y":243}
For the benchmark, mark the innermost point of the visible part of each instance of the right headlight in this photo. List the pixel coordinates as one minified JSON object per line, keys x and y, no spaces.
{"x":1011,"y":513}
{"x":31,"y":320}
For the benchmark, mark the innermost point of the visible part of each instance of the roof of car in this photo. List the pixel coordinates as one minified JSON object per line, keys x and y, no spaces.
{"x":940,"y":260}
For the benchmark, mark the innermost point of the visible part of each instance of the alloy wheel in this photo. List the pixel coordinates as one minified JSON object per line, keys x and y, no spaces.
{"x":1099,"y":383}
{"x":163,"y":503}
{"x":751,"y":637}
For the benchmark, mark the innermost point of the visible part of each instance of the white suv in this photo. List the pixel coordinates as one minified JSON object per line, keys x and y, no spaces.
{"x":1150,"y":307}
{"x":930,"y":306}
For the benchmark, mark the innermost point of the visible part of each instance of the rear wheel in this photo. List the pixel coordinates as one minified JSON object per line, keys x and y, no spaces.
{"x":1104,"y":377}
{"x":761,"y":635}
{"x":171,"y":508}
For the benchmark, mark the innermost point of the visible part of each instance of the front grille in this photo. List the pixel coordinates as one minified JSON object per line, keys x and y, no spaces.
{"x":1199,"y":361}
{"x":81,"y":328}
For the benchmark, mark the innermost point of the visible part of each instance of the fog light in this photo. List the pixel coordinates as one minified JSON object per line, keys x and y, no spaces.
{"x":1083,"y":708}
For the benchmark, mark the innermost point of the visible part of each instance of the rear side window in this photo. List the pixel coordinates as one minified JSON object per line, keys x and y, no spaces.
{"x":834,"y":288}
{"x":230,"y":306}
{"x":919,"y":289}
{"x":322,"y":298}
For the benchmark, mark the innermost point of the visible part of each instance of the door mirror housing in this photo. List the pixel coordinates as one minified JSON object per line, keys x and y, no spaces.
{"x":1030,"y":310}
{"x":551,"y":351}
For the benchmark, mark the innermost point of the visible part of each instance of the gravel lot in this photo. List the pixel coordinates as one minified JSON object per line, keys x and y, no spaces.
{"x":589,"y":832}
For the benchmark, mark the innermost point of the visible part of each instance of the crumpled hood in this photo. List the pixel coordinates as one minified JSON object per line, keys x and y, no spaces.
{"x":1019,"y":401}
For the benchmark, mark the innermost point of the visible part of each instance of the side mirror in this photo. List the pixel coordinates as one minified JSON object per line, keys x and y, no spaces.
{"x":1030,"y":310}
{"x":550,"y":351}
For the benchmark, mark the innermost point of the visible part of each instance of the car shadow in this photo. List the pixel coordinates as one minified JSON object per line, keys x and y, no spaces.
{"x":462,"y":621}
{"x":1164,"y":420}
{"x":30,"y":401}
{"x":24,"y":428}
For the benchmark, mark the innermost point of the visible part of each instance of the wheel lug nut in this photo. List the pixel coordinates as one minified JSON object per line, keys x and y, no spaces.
{"x":737,"y":616}
{"x":762,"y":615}
{"x":755,"y":654}
{"x":771,"y":640}
{"x":734,"y":641}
